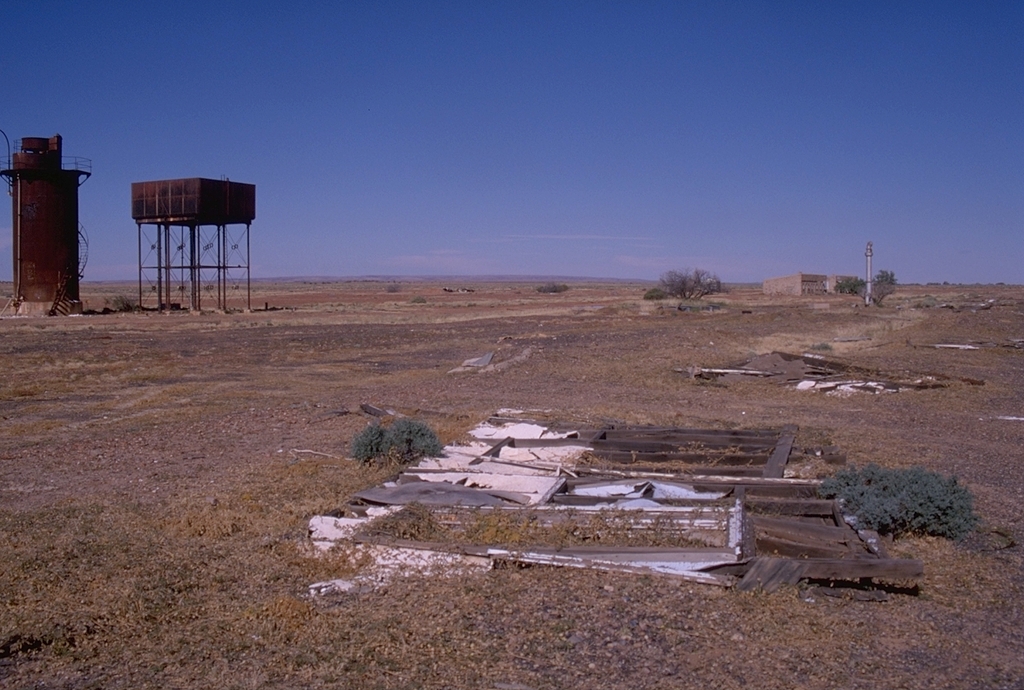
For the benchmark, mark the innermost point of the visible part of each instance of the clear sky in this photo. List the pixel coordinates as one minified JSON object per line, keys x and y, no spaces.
{"x":616,"y":139}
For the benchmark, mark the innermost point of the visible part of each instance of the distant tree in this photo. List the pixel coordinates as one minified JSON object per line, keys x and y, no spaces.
{"x":850,"y":286}
{"x":690,"y":283}
{"x":882,"y":286}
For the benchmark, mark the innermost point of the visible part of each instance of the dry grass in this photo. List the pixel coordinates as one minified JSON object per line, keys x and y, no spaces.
{"x":153,"y":517}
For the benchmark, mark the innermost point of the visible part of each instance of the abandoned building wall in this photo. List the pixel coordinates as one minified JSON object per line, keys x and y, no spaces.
{"x":802,"y":284}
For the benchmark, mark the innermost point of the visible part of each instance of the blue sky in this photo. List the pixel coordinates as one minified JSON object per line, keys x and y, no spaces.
{"x":552,"y":138}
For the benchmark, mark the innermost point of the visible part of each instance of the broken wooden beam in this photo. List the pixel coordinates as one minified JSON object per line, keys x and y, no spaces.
{"x":776,"y":465}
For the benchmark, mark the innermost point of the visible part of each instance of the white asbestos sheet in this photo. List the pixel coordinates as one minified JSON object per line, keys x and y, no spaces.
{"x":389,"y":562}
{"x":613,"y":489}
{"x":688,"y":567}
{"x":325,"y":528}
{"x":533,"y":487}
{"x":518,"y":430}
{"x":465,"y":456}
{"x":640,"y":488}
{"x":487,"y":467}
{"x":684,"y":491}
{"x":555,"y":454}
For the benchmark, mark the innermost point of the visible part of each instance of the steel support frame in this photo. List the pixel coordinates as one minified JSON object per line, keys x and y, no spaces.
{"x":181,"y":255}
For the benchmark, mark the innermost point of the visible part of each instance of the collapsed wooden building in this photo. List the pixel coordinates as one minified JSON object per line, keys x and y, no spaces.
{"x":719,"y":506}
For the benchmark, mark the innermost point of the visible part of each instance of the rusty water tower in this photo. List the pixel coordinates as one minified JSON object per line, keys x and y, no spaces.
{"x":44,"y":191}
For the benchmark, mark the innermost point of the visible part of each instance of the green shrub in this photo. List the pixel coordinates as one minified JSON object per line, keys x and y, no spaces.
{"x":412,"y":439}
{"x":913,"y":501}
{"x":418,"y":299}
{"x":406,"y":440}
{"x":549,"y":288}
{"x":655,"y":293}
{"x":882,"y":286}
{"x":369,"y":443}
{"x":850,"y":286}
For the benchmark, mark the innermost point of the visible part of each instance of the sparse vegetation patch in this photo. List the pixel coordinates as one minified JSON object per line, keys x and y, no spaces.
{"x":904,"y":502}
{"x":404,"y":441}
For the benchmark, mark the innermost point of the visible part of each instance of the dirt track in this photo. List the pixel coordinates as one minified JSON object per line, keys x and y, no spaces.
{"x":154,"y":500}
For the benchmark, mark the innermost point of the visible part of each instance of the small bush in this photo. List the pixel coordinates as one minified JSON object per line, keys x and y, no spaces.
{"x":655,"y":293}
{"x":690,"y":283}
{"x":882,"y":286}
{"x":822,"y":347}
{"x":850,"y":286}
{"x":897,"y":502}
{"x":392,"y":288}
{"x":369,"y":443}
{"x":549,"y":288}
{"x":418,"y":299}
{"x":121,"y":303}
{"x":412,"y":439}
{"x":406,"y":440}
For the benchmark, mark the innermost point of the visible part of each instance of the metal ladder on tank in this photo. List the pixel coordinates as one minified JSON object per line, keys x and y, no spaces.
{"x":61,"y":304}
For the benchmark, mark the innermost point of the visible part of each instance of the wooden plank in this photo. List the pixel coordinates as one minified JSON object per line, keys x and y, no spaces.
{"x":495,"y":450}
{"x":780,"y":456}
{"x":623,"y":432}
{"x":851,"y":569}
{"x":815,"y":507}
{"x":626,"y":553}
{"x":837,"y":514}
{"x":643,"y":445}
{"x":797,"y":531}
{"x":760,"y":490}
{"x":769,"y":574}
{"x":777,"y":546}
{"x":555,"y":488}
{"x":682,"y":474}
{"x":546,"y":442}
{"x":748,"y":543}
{"x":627,"y":457}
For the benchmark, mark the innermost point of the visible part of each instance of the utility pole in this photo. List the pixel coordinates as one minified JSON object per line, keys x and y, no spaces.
{"x":867,"y":289}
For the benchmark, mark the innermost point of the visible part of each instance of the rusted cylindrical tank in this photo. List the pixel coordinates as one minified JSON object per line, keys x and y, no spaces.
{"x":45,"y":222}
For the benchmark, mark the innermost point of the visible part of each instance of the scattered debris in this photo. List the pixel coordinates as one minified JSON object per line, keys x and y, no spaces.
{"x":716,"y":506}
{"x":973,"y":308}
{"x":486,"y":365}
{"x":1011,"y":343}
{"x":474,"y":363}
{"x":813,"y":372}
{"x":296,"y":452}
{"x":375,"y":411}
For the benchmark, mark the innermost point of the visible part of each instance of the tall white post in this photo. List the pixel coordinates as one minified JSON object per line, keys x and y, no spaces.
{"x":867,"y":290}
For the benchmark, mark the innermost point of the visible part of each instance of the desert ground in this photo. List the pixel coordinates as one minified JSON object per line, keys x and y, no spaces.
{"x":156,"y":484}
